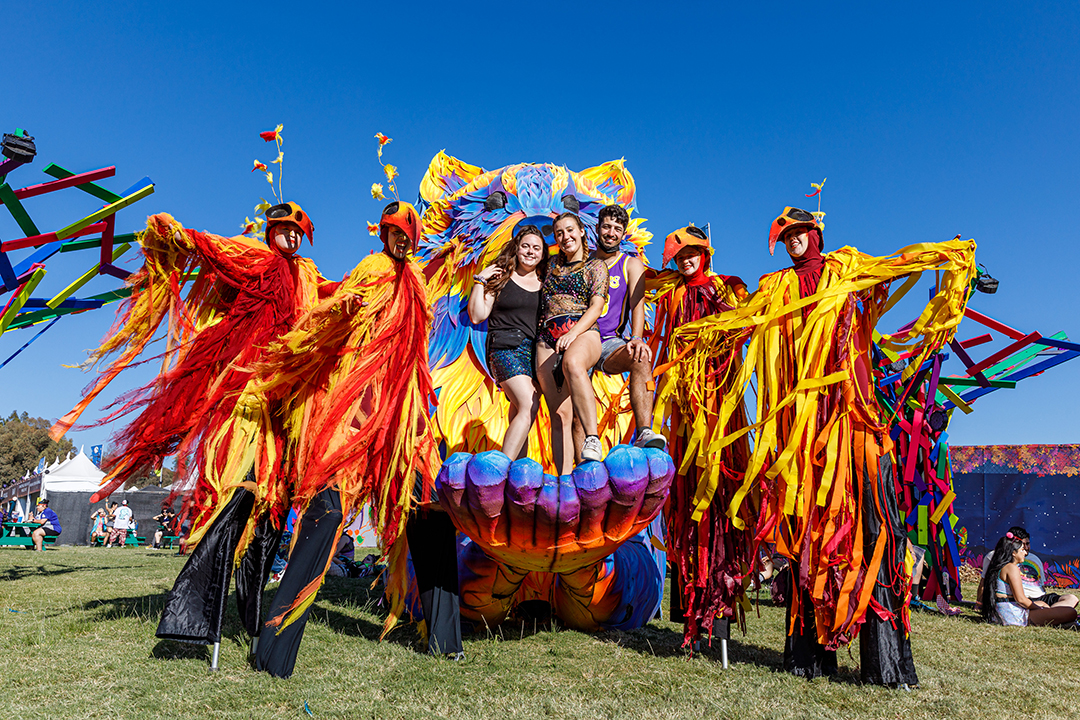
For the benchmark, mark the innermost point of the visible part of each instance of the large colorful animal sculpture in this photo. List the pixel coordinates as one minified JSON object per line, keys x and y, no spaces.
{"x":580,"y":542}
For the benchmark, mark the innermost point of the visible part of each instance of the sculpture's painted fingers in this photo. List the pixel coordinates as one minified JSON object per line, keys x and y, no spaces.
{"x":661,"y":472}
{"x":450,"y":484}
{"x":485,"y":480}
{"x":594,"y":494}
{"x":569,"y":515}
{"x":522,"y":490}
{"x":488,"y":589}
{"x":628,"y":472}
{"x":546,"y":525}
{"x":579,"y":597}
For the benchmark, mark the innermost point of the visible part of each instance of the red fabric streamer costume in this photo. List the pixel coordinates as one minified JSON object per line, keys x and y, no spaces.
{"x":204,"y":406}
{"x":710,"y":551}
{"x":356,"y":368}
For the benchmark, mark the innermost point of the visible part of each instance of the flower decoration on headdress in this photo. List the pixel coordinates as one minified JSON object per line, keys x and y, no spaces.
{"x":373,"y":229}
{"x":391,"y":172}
{"x":818,"y":216}
{"x":1010,"y":535}
{"x":275,"y":137}
{"x":383,"y":140}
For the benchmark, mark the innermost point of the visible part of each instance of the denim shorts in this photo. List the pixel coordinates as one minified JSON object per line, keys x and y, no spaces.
{"x":607,"y":349}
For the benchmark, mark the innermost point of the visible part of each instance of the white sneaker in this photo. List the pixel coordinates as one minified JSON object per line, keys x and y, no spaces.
{"x":592,"y":449}
{"x":646,"y":438}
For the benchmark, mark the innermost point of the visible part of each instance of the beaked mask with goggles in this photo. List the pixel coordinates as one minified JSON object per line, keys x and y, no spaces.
{"x":400,"y":229}
{"x":286,"y":226}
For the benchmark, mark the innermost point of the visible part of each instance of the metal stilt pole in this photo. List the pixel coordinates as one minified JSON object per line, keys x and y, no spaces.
{"x":254,"y":645}
{"x":723,"y":653}
{"x":214,"y":657}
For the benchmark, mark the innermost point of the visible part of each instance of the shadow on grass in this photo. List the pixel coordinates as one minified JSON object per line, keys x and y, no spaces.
{"x":176,"y":650}
{"x":143,"y":607}
{"x":41,"y":571}
{"x":339,"y":595}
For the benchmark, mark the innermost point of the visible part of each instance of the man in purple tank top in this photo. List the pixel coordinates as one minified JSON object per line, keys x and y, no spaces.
{"x":626,"y":306}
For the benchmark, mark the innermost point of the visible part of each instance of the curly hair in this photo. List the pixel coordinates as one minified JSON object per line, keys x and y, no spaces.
{"x":614,"y":212}
{"x":507,"y":259}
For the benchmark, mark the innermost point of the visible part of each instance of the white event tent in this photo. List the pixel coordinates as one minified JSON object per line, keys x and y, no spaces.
{"x":76,"y":474}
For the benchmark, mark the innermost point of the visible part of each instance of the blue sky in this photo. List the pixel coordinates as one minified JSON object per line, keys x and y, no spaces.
{"x":929,"y":120}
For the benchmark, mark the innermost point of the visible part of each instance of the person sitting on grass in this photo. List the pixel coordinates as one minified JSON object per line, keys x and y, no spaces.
{"x":1032,"y":584}
{"x":1003,"y":597}
{"x":49,"y":524}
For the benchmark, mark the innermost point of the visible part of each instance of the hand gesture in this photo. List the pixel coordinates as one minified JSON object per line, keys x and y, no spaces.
{"x":639,"y":350}
{"x":565,"y":341}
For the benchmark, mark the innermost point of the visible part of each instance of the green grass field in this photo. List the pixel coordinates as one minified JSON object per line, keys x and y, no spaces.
{"x":77,"y":641}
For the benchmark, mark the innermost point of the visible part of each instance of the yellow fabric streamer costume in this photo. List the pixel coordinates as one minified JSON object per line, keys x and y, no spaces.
{"x":709,"y":552}
{"x":820,"y":433}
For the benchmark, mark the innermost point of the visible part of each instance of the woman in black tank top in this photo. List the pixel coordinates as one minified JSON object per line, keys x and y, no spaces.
{"x":507,"y":295}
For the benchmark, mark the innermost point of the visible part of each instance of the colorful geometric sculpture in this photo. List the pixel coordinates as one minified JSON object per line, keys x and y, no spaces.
{"x":921,"y":402}
{"x":21,"y":277}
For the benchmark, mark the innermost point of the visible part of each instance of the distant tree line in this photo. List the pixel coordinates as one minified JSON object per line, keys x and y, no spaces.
{"x":23,"y":442}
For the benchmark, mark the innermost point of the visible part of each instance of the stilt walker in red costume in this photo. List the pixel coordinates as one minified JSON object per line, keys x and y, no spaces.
{"x":358,"y":367}
{"x":204,"y":408}
{"x":822,"y":453}
{"x":709,"y":551}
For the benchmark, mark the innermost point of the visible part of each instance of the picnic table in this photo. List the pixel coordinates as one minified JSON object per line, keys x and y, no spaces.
{"x":18,"y":533}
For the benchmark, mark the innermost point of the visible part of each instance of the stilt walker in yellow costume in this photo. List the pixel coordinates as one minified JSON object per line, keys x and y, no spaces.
{"x":822,"y":454}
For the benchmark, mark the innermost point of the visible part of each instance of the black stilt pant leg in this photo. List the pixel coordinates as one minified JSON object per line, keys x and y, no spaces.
{"x":433,"y":546}
{"x":252,"y":573}
{"x":803,"y":654}
{"x":884,"y":646}
{"x":195,"y":607}
{"x":313,"y":547}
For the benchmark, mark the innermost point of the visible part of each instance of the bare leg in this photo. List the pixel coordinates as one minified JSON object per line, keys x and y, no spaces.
{"x":524,"y":404}
{"x":578,"y":358}
{"x":1067,"y":601}
{"x":641,"y":400}
{"x":577,"y":434}
{"x":1058,"y":615}
{"x":559,"y":408}
{"x":39,"y":538}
